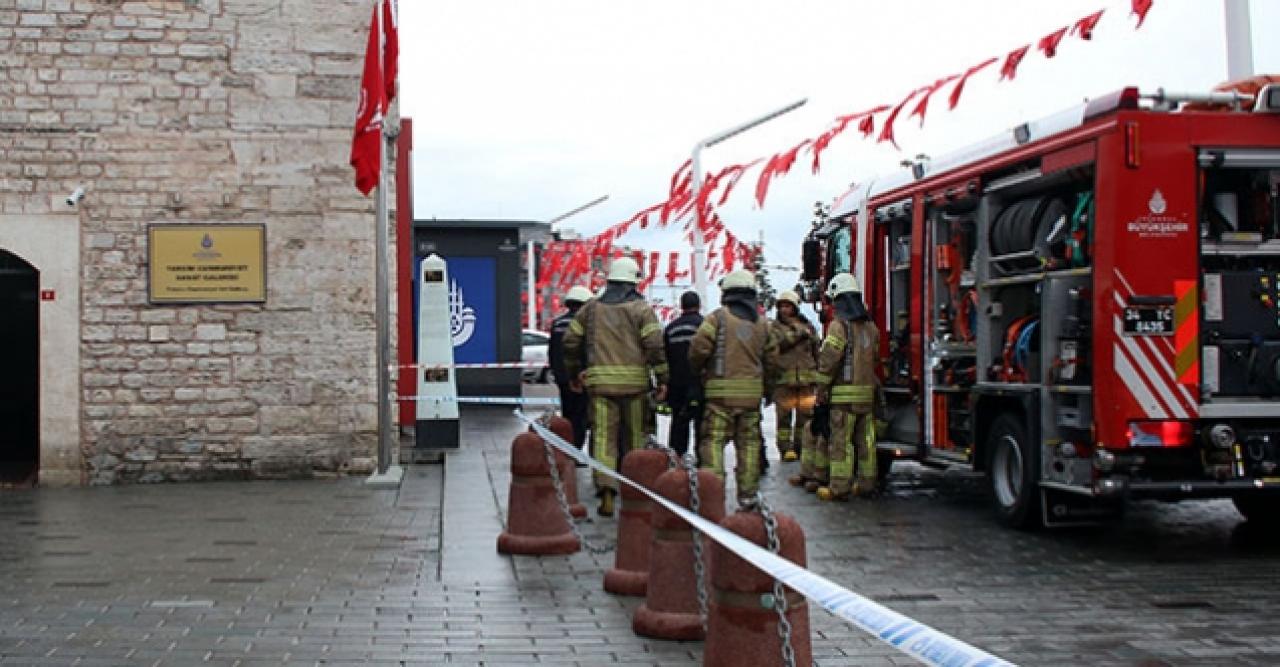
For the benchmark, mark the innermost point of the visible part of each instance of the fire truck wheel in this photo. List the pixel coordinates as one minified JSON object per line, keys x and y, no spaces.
{"x":1014,"y":473}
{"x":1259,"y":510}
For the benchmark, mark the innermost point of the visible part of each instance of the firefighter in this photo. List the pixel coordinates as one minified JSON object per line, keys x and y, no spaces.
{"x":612,"y":346}
{"x":846,"y":374}
{"x":734,"y":351}
{"x":573,"y":404}
{"x":797,"y":361}
{"x":685,"y":394}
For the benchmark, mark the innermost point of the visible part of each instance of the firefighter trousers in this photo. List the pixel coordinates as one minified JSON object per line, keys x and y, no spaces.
{"x":852,"y":434}
{"x":814,"y":463}
{"x":788,"y":402}
{"x":618,"y":425}
{"x":721,"y":424}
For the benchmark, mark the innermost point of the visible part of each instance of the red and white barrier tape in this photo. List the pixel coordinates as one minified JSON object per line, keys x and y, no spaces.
{"x":487,"y":400}
{"x":500,"y":364}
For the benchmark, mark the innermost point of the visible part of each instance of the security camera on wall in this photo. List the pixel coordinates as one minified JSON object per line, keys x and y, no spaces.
{"x":75,"y":196}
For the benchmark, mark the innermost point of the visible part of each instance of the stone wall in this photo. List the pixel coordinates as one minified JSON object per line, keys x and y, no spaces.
{"x":202,"y":111}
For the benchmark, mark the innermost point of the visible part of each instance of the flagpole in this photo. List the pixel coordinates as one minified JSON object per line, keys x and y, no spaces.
{"x":388,"y":472}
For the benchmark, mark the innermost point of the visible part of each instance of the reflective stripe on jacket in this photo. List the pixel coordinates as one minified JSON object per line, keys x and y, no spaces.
{"x":846,"y":363}
{"x":738,"y":359}
{"x":618,"y":345}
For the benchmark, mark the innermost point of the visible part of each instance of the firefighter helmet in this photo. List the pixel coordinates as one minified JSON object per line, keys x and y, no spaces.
{"x":624,"y":270}
{"x":579,"y":294}
{"x":790,"y":297}
{"x":843,"y":283}
{"x":740,"y":279}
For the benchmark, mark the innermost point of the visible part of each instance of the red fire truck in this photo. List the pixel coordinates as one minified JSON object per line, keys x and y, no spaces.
{"x":1087,"y":307}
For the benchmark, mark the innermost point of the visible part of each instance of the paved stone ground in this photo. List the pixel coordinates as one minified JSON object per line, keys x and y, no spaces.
{"x":329,"y":572}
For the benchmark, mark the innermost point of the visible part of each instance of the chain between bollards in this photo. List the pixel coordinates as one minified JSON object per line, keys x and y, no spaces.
{"x":699,"y":570}
{"x":779,"y":593}
{"x":564,"y":504}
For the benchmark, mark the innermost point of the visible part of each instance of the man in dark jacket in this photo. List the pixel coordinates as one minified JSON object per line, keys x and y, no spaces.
{"x":573,"y":404}
{"x":684,"y":394}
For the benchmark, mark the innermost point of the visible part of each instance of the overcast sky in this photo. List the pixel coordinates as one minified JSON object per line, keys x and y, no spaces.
{"x":525,"y":110}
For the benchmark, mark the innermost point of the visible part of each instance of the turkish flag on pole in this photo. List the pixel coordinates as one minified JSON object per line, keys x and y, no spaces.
{"x":380,"y":54}
{"x":390,"y":46}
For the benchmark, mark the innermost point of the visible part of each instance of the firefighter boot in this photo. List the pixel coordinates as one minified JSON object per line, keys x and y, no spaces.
{"x":790,"y":455}
{"x":796,"y":480}
{"x":812,"y":485}
{"x":825,"y":494}
{"x":864,"y":487}
{"x":606,"y":502}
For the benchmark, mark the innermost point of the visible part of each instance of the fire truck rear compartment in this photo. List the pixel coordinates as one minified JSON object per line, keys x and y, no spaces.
{"x":1240,"y":256}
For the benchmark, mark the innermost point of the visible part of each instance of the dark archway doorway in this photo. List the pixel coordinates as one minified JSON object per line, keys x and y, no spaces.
{"x":19,"y":371}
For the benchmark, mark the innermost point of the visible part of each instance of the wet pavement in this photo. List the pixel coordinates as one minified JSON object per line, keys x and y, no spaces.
{"x":330,"y":572}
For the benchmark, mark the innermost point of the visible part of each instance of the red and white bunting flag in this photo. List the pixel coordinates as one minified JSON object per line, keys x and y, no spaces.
{"x":886,"y":130}
{"x":1084,"y":27}
{"x":733,"y":178}
{"x":1049,"y":43}
{"x":922,"y":106}
{"x":1141,"y":7}
{"x":959,"y":87}
{"x":777,"y":165}
{"x":1009,"y":69}
{"x":681,"y":202}
{"x":867,"y":126}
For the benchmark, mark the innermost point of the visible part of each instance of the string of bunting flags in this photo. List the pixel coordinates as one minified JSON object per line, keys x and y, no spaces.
{"x":576,"y":262}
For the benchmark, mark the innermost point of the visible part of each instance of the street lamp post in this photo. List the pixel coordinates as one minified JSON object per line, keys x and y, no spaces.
{"x":532,"y":258}
{"x":1239,"y":40}
{"x":698,"y":272}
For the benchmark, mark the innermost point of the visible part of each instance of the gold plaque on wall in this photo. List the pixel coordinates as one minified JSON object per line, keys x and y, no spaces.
{"x":207,"y":263}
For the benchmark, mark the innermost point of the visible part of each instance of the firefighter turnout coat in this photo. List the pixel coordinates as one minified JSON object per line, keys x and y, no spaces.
{"x":619,"y":345}
{"x":797,"y":377}
{"x":738,"y":360}
{"x":846,"y":368}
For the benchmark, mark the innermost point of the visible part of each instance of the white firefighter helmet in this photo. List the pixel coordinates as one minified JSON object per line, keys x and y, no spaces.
{"x":579,"y":294}
{"x":740,"y":279}
{"x":790,"y":297}
{"x":843,"y":283}
{"x":624,"y":270}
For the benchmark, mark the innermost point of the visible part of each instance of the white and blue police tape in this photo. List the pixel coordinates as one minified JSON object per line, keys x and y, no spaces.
{"x":546,"y":402}
{"x":909,"y":636}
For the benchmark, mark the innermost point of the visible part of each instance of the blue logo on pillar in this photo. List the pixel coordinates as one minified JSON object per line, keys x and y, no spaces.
{"x":473,"y":309}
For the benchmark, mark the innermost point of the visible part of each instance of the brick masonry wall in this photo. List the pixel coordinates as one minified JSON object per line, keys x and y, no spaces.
{"x":203,"y":111}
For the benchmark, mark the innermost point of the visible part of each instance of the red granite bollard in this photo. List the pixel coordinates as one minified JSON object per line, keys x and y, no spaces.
{"x":535,"y":522}
{"x":670,"y":609}
{"x":740,"y":630}
{"x":630,"y":572}
{"x":568,"y":471}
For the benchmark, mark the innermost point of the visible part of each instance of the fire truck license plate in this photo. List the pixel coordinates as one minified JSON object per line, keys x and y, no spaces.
{"x":1148,"y":320}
